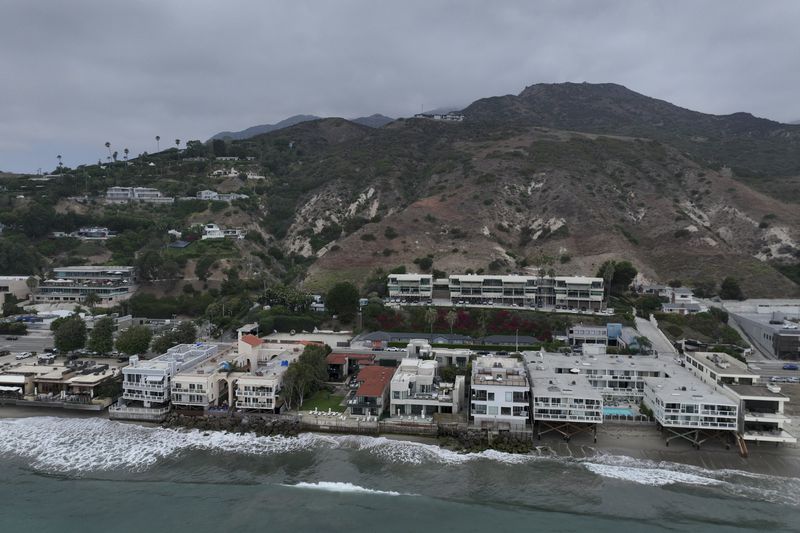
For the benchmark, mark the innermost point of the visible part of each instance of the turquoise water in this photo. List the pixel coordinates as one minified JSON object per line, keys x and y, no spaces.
{"x":93,"y":475}
{"x":622,"y":411}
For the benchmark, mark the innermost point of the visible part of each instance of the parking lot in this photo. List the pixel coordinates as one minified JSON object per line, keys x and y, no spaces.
{"x":25,"y":343}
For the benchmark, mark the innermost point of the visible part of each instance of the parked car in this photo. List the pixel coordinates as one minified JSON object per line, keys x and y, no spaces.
{"x":23,"y":355}
{"x":4,"y":352}
{"x":790,"y":366}
{"x":11,"y":338}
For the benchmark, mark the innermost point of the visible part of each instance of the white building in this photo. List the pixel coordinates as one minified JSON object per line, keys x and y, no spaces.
{"x":410,"y":287}
{"x":761,"y":405}
{"x":562,"y":292}
{"x":93,"y":233}
{"x":121,"y":195}
{"x":205,"y":385}
{"x":417,"y":390}
{"x":212,"y":231}
{"x":111,"y":284}
{"x":564,"y":403}
{"x":688,"y":408}
{"x":146,"y":384}
{"x":500,"y":396}
{"x":259,"y":389}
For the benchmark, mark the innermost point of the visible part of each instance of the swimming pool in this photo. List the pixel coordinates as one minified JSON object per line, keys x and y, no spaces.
{"x":621,"y":411}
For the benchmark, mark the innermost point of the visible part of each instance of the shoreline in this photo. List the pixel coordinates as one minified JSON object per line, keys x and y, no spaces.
{"x":630,"y":441}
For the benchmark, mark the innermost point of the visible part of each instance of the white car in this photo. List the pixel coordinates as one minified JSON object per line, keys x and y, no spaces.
{"x":23,"y":355}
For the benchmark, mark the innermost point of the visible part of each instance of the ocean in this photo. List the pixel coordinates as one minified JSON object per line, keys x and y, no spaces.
{"x":92,"y":474}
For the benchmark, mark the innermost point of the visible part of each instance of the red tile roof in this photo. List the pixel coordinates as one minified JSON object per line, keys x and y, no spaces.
{"x":339,"y":358}
{"x":252,"y":340}
{"x":374,"y":380}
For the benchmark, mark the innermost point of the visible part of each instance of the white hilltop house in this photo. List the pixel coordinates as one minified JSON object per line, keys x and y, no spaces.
{"x":213,"y":231}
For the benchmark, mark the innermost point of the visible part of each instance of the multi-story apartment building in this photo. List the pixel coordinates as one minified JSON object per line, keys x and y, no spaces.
{"x":205,"y":385}
{"x":111,"y":284}
{"x":761,"y":404}
{"x":123,"y":195}
{"x":617,"y":378}
{"x":563,"y":292}
{"x":417,"y":390}
{"x":146,"y":384}
{"x":690,"y":409}
{"x":565,"y":403}
{"x":500,"y":397}
{"x":410,"y":287}
{"x":259,"y":389}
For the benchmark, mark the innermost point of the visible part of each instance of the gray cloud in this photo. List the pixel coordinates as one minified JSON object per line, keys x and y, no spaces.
{"x":79,"y":73}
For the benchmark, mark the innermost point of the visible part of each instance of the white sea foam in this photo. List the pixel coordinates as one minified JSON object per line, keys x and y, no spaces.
{"x":336,"y":486}
{"x":649,"y":476}
{"x":92,"y":444}
{"x":82,"y":445}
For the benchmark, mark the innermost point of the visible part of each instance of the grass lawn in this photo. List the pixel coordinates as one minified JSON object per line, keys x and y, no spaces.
{"x":323,"y":400}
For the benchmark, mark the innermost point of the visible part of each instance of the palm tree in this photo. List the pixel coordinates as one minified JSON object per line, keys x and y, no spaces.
{"x":451,"y":318}
{"x":114,"y":155}
{"x":60,"y":164}
{"x":430,"y":317}
{"x":178,"y":143}
{"x":108,"y":145}
{"x":126,"y":152}
{"x":158,"y":143}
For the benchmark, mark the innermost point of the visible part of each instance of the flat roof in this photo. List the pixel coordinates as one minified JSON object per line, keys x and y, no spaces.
{"x":757,"y":390}
{"x":683,"y":387}
{"x":722,"y":363}
{"x":90,"y":268}
{"x":602,"y":361}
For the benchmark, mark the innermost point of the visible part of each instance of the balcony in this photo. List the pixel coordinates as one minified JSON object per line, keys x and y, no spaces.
{"x":752,"y":416}
{"x":146,"y":385}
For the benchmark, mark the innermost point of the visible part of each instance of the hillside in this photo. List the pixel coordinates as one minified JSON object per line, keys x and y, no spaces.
{"x":373,"y":121}
{"x":563,"y":176}
{"x":755,"y":149}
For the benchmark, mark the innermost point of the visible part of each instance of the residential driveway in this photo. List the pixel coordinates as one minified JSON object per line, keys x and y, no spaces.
{"x":660,"y":342}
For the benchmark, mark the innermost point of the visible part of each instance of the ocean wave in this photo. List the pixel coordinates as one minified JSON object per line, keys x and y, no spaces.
{"x":75,"y":445}
{"x":78,"y":446}
{"x":739,"y":483}
{"x":337,"y":486}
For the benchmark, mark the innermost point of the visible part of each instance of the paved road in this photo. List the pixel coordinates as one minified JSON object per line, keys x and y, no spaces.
{"x":659,"y":341}
{"x":773,"y":368}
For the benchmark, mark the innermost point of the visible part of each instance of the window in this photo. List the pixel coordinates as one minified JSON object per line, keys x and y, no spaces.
{"x":492,"y":410}
{"x":509,"y":396}
{"x":490,"y":395}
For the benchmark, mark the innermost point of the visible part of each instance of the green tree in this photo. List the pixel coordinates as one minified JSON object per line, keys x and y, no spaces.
{"x":342,"y":300}
{"x":134,"y":340}
{"x":730,"y":290}
{"x":451,"y":318}
{"x":70,"y":334}
{"x":430,"y":317}
{"x":101,"y":339}
{"x":10,"y":306}
{"x":91,"y":300}
{"x":618,"y":275}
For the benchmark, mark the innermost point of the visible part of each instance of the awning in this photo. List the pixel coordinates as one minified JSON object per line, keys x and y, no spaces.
{"x":15,"y":379}
{"x":12,"y":389}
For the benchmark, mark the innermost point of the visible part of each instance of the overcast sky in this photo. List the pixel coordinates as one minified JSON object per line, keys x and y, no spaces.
{"x":78,"y":73}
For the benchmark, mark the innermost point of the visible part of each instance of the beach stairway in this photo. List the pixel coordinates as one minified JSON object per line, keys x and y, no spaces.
{"x":742,"y":445}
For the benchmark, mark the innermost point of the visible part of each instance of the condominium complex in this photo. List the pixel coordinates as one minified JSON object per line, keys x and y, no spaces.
{"x":761,"y":404}
{"x":124,"y":195}
{"x":204,"y":385}
{"x":417,"y":390}
{"x":146,"y":384}
{"x":415,"y":287}
{"x":564,"y":403}
{"x":259,"y":389}
{"x":111,"y":284}
{"x":564,"y":292}
{"x":500,"y":396}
